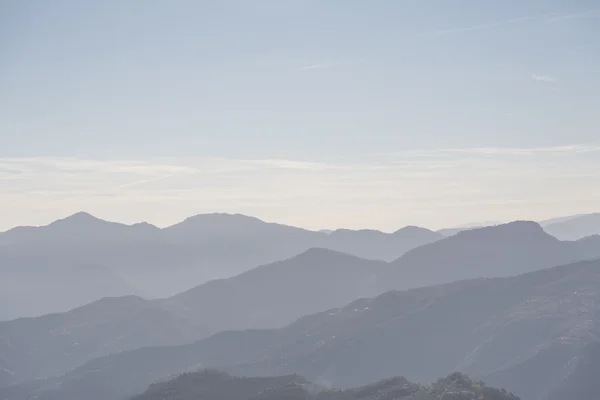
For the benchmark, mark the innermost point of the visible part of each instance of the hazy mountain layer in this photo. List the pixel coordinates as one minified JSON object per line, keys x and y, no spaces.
{"x":144,"y":260}
{"x":517,"y":332}
{"x":575,"y":228}
{"x":271,"y":296}
{"x":44,"y":346}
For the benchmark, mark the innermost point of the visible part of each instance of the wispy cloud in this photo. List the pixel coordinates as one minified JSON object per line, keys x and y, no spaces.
{"x":338,"y":63}
{"x":489,"y":25}
{"x":582,"y":14}
{"x":516,"y":151}
{"x":500,"y":151}
{"x":316,"y":66}
{"x":434,"y":187}
{"x":543,"y":78}
{"x":549,"y":18}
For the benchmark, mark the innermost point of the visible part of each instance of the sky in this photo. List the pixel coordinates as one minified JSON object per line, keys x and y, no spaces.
{"x":315,"y":113}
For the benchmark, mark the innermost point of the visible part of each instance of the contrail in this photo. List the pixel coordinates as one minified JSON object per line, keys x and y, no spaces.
{"x":142,"y":181}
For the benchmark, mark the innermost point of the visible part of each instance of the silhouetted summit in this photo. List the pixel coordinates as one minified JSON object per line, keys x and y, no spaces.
{"x":228,"y":224}
{"x":411,"y":229}
{"x":323,"y":256}
{"x":505,"y":231}
{"x":373,"y":244}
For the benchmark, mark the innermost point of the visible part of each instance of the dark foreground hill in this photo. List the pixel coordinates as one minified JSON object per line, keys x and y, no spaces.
{"x":210,"y":385}
{"x":521,"y":333}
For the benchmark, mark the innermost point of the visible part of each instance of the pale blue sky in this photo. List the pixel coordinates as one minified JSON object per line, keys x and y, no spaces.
{"x":358,"y":101}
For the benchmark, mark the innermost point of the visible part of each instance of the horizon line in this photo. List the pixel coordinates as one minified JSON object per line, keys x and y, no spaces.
{"x":464,"y":226}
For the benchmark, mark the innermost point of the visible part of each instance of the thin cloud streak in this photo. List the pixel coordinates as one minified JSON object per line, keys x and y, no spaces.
{"x":450,"y":31}
{"x":316,"y":66}
{"x":506,"y":151}
{"x":383,"y":192}
{"x":543,"y":78}
{"x":592,"y":13}
{"x":549,"y":18}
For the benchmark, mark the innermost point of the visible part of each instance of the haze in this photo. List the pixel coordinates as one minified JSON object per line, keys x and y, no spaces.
{"x":300,"y":199}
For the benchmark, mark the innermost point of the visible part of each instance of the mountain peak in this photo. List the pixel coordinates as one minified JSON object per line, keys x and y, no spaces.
{"x":412,"y":229}
{"x":219,"y":219}
{"x":145,"y":225}
{"x":322,"y":255}
{"x":221,"y":216}
{"x":515,"y":228}
{"x":78,"y":218}
{"x":318,"y":252}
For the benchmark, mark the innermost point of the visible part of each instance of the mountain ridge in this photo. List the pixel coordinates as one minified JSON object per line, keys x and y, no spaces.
{"x":162,"y":262}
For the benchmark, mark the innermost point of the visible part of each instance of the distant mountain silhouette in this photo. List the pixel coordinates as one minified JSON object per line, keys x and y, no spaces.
{"x":162,"y":262}
{"x":502,"y":250}
{"x":211,"y":385}
{"x":575,"y":227}
{"x":467,"y":227}
{"x":77,"y":227}
{"x":546,"y":222}
{"x":373,"y":244}
{"x":516,"y":332}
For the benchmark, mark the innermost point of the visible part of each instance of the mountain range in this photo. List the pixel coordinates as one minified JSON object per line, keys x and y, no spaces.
{"x":520,"y":333}
{"x":144,"y":260}
{"x":270,"y":296}
{"x":572,"y":227}
{"x":58,"y":261}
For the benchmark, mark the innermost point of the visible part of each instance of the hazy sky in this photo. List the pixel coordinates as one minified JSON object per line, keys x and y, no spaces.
{"x":317,"y":113}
